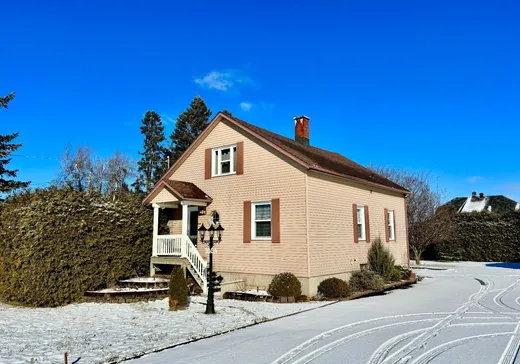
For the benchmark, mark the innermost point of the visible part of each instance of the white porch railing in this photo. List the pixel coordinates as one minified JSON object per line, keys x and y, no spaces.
{"x":181,"y":246}
{"x":170,"y":245}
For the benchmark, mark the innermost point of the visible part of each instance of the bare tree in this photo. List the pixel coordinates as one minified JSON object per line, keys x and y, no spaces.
{"x":427,"y":224}
{"x":82,"y":172}
{"x":76,"y":169}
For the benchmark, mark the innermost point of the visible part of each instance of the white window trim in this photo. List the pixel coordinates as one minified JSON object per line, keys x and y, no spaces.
{"x":254,"y":221}
{"x":217,"y":161}
{"x":363,"y":223}
{"x":391,"y":237}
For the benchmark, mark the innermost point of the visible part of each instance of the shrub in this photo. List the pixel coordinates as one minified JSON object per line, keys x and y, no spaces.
{"x":404,"y":272}
{"x":381,"y":260}
{"x":285,"y":285}
{"x":56,"y":244}
{"x":366,"y":280}
{"x":178,"y":290}
{"x":334,"y":288}
{"x":396,"y":274}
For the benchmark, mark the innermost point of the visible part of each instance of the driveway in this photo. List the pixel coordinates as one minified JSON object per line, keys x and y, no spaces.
{"x":460,"y":313}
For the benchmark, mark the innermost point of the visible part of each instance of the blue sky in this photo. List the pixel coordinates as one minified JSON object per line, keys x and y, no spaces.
{"x":412,"y":84}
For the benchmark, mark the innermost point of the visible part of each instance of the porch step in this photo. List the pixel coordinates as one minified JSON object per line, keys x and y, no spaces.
{"x":183,"y":262}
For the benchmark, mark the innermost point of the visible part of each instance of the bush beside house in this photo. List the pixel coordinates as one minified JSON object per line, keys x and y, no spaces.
{"x":285,"y":285}
{"x":334,"y":288}
{"x":178,"y":290}
{"x":366,"y":280}
{"x":55,"y":244}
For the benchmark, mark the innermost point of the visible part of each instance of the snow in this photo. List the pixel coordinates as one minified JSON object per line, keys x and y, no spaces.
{"x":448,"y":317}
{"x":103,"y":332}
{"x":145,"y":280}
{"x":127,"y":289}
{"x":255,"y":292}
{"x":477,"y":205}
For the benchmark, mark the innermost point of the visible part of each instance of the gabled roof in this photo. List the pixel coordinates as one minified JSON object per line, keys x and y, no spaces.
{"x":309,"y":157}
{"x":181,"y":190}
{"x":319,"y":159}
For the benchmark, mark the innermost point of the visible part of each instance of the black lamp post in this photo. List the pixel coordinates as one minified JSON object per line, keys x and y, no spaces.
{"x":210,"y":307}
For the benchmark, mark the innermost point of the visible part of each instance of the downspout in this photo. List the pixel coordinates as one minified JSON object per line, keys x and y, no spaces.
{"x":307,"y":226}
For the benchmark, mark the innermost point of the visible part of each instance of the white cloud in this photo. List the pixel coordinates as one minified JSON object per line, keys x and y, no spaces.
{"x":223,"y":80}
{"x":475,"y":179}
{"x":246,"y":106}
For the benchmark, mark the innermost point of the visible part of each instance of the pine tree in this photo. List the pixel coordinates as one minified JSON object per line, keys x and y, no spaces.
{"x":6,"y":149}
{"x":188,"y":127}
{"x":152,"y":164}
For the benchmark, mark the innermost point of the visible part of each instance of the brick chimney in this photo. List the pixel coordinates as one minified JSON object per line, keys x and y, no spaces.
{"x":301,"y":129}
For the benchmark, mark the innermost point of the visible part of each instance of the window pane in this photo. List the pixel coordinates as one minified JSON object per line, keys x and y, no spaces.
{"x":359,"y":215}
{"x":263,"y":229}
{"x":225,"y":154}
{"x":215,"y":218}
{"x":263,"y":212}
{"x":226,"y":167}
{"x":360,"y":231}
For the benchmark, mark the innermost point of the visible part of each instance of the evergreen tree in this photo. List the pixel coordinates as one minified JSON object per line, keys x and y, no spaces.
{"x":152,"y":164}
{"x":227,"y":112}
{"x":188,"y":127}
{"x":6,"y":149}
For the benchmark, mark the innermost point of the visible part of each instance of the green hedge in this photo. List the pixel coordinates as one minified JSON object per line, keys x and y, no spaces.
{"x":484,"y":237}
{"x":56,"y":244}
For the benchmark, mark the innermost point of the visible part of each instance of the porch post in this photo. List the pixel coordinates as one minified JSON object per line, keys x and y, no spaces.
{"x":155,"y":228}
{"x":184,"y":230}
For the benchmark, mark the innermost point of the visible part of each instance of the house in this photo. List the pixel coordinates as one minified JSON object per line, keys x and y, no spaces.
{"x":474,"y":203}
{"x":285,"y":205}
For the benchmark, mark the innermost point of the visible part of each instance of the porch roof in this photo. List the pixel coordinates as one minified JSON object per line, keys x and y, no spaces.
{"x":183,"y":191}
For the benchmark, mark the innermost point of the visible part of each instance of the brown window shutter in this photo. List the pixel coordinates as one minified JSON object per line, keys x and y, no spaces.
{"x":240,"y":158}
{"x":275,"y":220}
{"x":247,"y":221}
{"x":387,"y":237}
{"x":395,"y":229}
{"x":367,"y":224}
{"x":207,"y":164}
{"x":354,"y":212}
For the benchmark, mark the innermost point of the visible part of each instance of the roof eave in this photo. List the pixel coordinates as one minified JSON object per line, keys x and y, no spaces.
{"x":358,"y":180}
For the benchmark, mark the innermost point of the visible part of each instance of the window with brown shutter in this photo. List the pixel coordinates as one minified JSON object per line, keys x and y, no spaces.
{"x":387,"y":238}
{"x":367,"y":225}
{"x":355,"y":223}
{"x":247,"y":221}
{"x":207,"y":164}
{"x":275,"y":207}
{"x":240,"y":158}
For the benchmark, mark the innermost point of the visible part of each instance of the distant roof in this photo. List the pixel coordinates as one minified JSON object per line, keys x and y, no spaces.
{"x":497,"y":203}
{"x":320,"y":159}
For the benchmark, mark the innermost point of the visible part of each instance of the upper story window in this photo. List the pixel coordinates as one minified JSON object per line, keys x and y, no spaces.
{"x":261,"y":224}
{"x":224,"y":160}
{"x":391,"y":227}
{"x":361,"y":223}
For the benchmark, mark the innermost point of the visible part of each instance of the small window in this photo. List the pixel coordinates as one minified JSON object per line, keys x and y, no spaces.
{"x":391,"y":227}
{"x":361,"y":222}
{"x":261,"y":224}
{"x":215,"y":218}
{"x":224,"y":160}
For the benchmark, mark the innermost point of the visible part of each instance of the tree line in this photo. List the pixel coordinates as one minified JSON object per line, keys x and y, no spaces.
{"x":82,"y":171}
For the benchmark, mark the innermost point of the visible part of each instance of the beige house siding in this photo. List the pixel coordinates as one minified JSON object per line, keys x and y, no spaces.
{"x":266,"y":176}
{"x":331,"y":225}
{"x":164,"y":196}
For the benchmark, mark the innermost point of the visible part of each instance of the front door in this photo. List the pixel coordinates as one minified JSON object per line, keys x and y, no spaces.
{"x":193,"y":223}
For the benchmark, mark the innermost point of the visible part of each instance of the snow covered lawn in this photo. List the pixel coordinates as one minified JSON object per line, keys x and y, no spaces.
{"x":111,"y":332}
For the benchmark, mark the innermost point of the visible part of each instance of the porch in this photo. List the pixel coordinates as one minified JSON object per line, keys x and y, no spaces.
{"x":179,"y":246}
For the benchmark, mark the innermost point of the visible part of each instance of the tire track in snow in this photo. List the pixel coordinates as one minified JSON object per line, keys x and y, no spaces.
{"x":285,"y":358}
{"x":498,"y":299}
{"x":420,"y":340}
{"x":509,"y":354}
{"x":438,"y":350}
